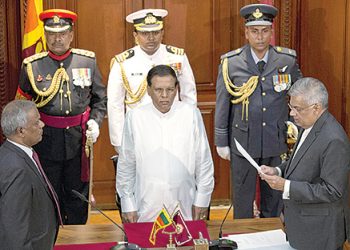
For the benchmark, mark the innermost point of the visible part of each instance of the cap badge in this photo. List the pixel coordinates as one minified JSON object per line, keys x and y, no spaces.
{"x":150,"y":19}
{"x":257,"y":14}
{"x":56,"y":19}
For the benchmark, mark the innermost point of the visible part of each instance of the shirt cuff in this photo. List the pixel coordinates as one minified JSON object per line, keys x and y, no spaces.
{"x":286,"y":189}
{"x":279,"y":171}
{"x":128,"y":204}
{"x":202,"y":200}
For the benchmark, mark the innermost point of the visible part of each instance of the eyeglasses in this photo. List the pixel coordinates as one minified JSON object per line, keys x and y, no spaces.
{"x":300,"y":109}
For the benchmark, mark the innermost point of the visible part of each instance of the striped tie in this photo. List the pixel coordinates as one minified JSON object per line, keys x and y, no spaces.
{"x":52,"y":191}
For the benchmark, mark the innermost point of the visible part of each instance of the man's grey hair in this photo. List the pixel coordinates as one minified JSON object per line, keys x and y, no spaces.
{"x":311,"y":90}
{"x":15,"y":115}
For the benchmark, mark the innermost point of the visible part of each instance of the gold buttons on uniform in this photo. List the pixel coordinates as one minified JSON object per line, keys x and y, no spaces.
{"x":67,"y":127}
{"x":264,"y":109}
{"x":236,"y":125}
{"x":264,"y":124}
{"x":44,"y":89}
{"x":67,"y":112}
{"x":262,"y":78}
{"x":65,"y":95}
{"x":263,"y":94}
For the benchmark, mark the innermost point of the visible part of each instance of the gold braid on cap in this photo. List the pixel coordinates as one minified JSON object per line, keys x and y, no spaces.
{"x":132,"y":97}
{"x":59,"y":77}
{"x":241,"y":93}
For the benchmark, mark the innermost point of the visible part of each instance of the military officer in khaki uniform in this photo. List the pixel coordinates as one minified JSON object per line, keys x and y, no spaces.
{"x":67,"y":88}
{"x":127,"y":79}
{"x":251,"y":106}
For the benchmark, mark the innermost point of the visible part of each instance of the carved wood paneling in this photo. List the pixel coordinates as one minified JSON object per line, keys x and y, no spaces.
{"x":10,"y":50}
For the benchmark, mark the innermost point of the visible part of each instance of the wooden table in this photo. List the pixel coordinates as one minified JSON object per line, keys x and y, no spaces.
{"x":79,"y":234}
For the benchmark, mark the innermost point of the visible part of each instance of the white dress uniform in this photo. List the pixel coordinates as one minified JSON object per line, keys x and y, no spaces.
{"x":129,"y":70}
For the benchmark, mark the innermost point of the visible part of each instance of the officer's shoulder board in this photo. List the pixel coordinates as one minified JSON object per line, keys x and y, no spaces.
{"x":83,"y":52}
{"x":122,"y":57}
{"x":35,"y":57}
{"x":286,"y":51}
{"x":232,"y":53}
{"x":175,"y":50}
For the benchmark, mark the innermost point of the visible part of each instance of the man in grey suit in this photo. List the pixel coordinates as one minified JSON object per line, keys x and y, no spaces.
{"x":315,"y":178}
{"x":251,"y":106}
{"x":28,"y":215}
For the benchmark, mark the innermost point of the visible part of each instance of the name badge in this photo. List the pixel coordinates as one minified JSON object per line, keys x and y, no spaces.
{"x":281,"y":82}
{"x":82,"y":77}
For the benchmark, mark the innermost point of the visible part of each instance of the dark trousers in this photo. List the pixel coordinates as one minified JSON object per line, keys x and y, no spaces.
{"x":243,"y":176}
{"x":65,"y":176}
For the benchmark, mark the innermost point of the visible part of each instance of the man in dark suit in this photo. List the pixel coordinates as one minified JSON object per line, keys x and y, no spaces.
{"x":29,"y":215}
{"x":67,"y":88}
{"x":251,"y":106}
{"x":315,"y":178}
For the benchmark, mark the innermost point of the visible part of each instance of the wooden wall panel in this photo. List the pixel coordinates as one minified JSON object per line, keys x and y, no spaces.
{"x":10,"y":51}
{"x":322,"y":47}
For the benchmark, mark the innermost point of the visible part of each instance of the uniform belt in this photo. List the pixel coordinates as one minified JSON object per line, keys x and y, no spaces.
{"x":71,"y":121}
{"x":65,"y":121}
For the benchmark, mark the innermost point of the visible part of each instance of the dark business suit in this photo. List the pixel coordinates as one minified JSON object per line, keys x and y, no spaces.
{"x":28,"y":218}
{"x":263,"y":135}
{"x":315,"y":214}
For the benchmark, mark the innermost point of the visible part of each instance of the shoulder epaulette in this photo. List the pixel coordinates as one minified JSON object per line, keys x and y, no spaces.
{"x":232,"y":53}
{"x":84,"y":52}
{"x":175,"y":50}
{"x":35,"y":57}
{"x":286,"y":51}
{"x":124,"y":55}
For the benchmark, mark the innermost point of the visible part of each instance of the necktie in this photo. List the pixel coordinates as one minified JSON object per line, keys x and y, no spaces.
{"x":52,"y":191}
{"x":261,"y":65}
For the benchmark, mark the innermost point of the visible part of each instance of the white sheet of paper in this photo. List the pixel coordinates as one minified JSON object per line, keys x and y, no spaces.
{"x":273,"y":239}
{"x":247,"y":156}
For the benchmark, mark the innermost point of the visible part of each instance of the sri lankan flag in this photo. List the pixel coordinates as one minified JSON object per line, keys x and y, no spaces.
{"x":33,"y":39}
{"x":162,"y":221}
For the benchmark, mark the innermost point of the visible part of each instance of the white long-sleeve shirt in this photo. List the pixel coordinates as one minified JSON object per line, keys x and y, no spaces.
{"x":136,"y":68}
{"x":164,"y":159}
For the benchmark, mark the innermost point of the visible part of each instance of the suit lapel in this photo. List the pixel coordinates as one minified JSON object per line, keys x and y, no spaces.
{"x":29,"y":162}
{"x":309,"y":140}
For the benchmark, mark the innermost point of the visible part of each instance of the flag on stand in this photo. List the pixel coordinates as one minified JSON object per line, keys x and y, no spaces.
{"x":182,"y":235}
{"x":33,"y":38}
{"x":162,"y":221}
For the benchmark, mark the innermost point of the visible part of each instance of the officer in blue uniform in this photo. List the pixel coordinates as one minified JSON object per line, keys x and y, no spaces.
{"x":67,"y":88}
{"x":251,"y":106}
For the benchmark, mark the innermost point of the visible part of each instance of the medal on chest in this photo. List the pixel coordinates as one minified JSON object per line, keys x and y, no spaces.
{"x":82,"y":77}
{"x":281,"y":82}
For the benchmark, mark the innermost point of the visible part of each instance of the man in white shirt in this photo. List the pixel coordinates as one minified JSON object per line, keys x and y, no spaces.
{"x":315,"y":178}
{"x":127,"y":83}
{"x":165,"y":157}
